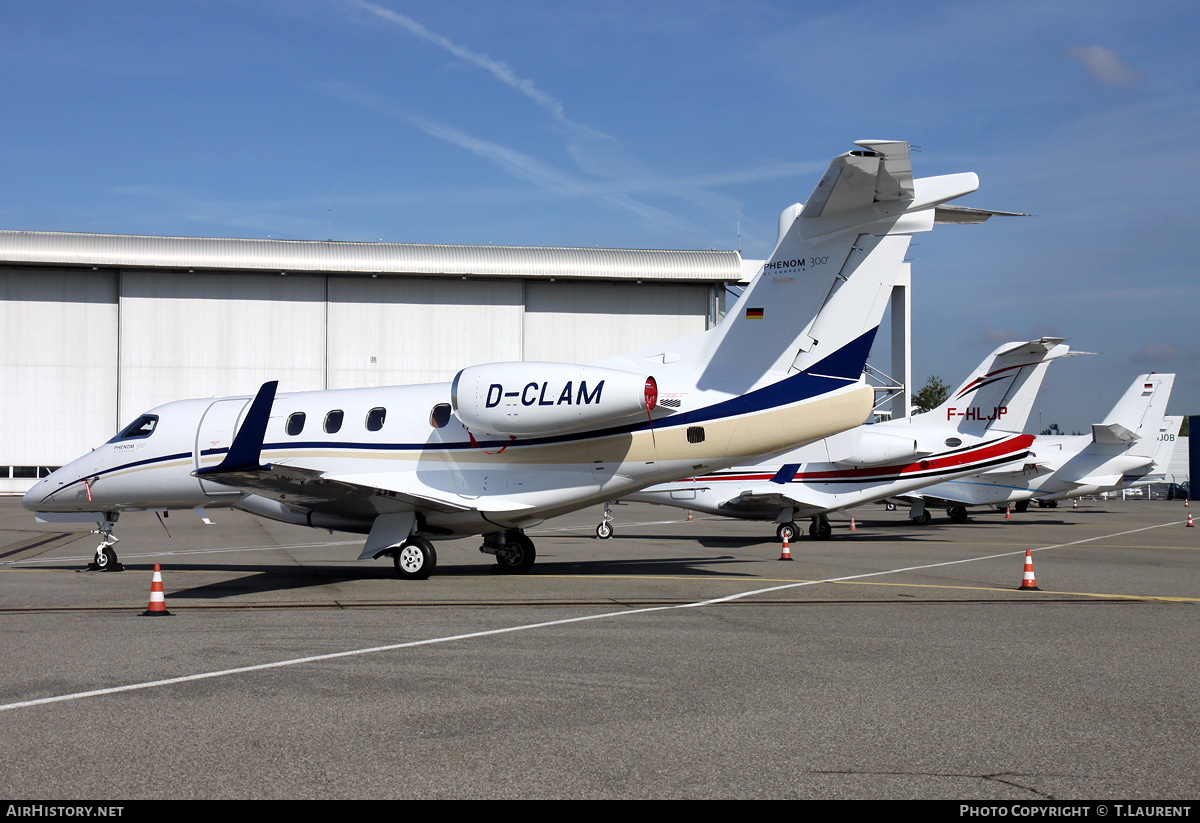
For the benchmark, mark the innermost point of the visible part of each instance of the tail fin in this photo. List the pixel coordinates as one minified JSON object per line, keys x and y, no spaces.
{"x":999,"y":394}
{"x":1164,"y":448}
{"x":822,"y":293}
{"x":820,"y":297}
{"x":1138,"y":415}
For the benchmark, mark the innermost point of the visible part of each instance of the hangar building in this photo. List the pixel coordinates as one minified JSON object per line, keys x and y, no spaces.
{"x":96,"y":329}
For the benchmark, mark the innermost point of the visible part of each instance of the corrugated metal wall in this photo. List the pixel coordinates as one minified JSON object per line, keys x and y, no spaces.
{"x":58,"y":364}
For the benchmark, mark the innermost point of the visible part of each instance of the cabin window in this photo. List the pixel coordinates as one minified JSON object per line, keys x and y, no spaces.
{"x":695,"y":434}
{"x":142,"y":427}
{"x":440,"y":415}
{"x":333,"y":421}
{"x":295,"y":423}
{"x":375,"y":419}
{"x":953,"y":442}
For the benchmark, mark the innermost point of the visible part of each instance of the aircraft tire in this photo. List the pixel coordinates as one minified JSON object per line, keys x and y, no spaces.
{"x":922,"y":519}
{"x":891,"y":507}
{"x":820,"y":530}
{"x":793,"y":531}
{"x":520,"y":556}
{"x":604,"y":531}
{"x":1021,"y":506}
{"x":415,"y":560}
{"x":957,"y":514}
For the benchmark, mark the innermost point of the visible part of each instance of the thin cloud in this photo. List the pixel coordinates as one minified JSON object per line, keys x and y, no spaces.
{"x":1105,"y":67}
{"x":1161,"y":354}
{"x":515,"y":163}
{"x":593,"y":151}
{"x":497,"y":68}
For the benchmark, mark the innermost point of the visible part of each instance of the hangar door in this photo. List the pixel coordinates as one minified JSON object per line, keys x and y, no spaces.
{"x":577,"y":322}
{"x":387,"y":331}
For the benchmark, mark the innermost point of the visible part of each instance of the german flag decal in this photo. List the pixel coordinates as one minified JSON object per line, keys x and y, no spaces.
{"x":754,"y":314}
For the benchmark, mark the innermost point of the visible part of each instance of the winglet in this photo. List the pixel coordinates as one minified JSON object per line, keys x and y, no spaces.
{"x":786,"y":473}
{"x":245,"y":451}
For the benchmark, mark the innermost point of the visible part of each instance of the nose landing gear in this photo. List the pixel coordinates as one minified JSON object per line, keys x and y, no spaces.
{"x":106,"y":556}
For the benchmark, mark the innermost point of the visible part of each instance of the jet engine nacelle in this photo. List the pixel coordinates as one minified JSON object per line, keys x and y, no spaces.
{"x":877,"y":448}
{"x":529,"y":399}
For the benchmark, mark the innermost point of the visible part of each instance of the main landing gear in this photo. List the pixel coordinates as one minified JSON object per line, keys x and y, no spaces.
{"x":415,"y":559}
{"x":106,"y":556}
{"x":820,"y":528}
{"x":513,"y":550}
{"x":957,"y":514}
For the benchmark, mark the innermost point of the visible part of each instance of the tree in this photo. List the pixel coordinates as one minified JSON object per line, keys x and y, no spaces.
{"x":931,"y":395}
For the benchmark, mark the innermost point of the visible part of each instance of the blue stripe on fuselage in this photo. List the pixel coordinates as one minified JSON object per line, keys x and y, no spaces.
{"x":836,"y":371}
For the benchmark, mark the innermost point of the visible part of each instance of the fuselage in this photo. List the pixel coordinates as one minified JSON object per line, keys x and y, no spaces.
{"x":802,"y":483}
{"x":389,"y":438}
{"x":1058,"y":467}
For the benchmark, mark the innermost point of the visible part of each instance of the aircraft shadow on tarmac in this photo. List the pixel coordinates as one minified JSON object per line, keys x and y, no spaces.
{"x":264,"y":579}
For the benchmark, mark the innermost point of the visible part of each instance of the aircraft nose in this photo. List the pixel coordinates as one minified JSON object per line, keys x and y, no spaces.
{"x":36,"y":495}
{"x":42,"y":494}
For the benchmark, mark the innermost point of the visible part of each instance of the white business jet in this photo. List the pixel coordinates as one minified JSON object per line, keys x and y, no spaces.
{"x":1121,"y":451}
{"x":978,"y":427}
{"x":507,"y":445}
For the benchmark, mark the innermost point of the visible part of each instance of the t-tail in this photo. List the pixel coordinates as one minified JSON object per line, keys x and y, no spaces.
{"x":999,"y":394}
{"x":1137,"y":419}
{"x":836,"y":260}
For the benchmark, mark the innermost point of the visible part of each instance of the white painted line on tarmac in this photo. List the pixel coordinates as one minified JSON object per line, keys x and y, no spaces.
{"x":531,"y":626}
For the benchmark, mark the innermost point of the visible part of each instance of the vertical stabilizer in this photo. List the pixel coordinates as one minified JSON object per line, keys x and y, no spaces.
{"x":821,"y":295}
{"x":999,"y":394}
{"x":1138,"y":415}
{"x":1164,"y":448}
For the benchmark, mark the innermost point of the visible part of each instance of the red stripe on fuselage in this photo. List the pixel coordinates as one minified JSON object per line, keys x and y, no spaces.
{"x":944,"y":462}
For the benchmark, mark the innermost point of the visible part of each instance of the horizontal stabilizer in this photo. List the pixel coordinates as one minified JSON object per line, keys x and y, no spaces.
{"x":968,"y":216}
{"x":1112,"y":434}
{"x":1103,"y":481}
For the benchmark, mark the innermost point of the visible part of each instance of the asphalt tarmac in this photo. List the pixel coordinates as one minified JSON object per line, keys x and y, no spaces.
{"x":677,"y":660}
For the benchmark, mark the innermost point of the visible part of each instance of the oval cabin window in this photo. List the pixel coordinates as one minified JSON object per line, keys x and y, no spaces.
{"x":295,"y":423}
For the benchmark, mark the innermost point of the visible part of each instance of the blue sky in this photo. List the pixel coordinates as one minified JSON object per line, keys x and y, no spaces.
{"x":649,"y":125}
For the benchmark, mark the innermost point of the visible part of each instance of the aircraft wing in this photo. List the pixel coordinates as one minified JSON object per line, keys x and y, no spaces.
{"x":771,"y":503}
{"x":383,"y":492}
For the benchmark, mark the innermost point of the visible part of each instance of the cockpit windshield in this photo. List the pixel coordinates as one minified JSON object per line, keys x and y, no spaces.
{"x":142,"y":427}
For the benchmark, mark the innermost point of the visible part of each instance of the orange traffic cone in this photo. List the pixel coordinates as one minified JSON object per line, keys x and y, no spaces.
{"x":158,"y":602}
{"x":1028,"y":583}
{"x":1190,"y":524}
{"x":1076,"y":506}
{"x":690,"y":515}
{"x":853,"y":527}
{"x":787,"y":552}
{"x":1008,"y":513}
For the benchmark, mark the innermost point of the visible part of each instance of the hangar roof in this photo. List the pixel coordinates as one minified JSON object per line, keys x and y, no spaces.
{"x":247,"y":254}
